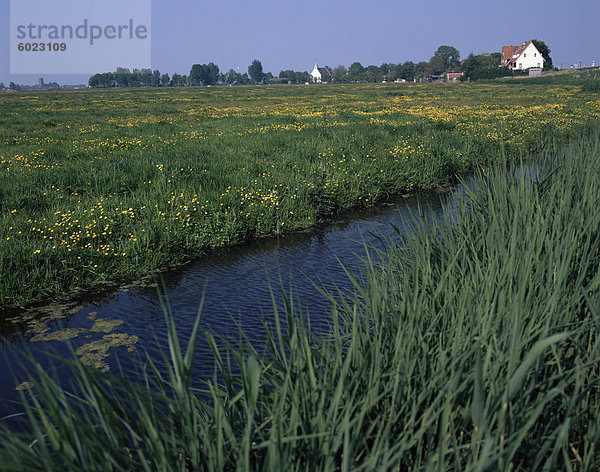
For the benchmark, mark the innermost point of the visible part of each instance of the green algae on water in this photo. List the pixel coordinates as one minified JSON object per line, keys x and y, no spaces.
{"x":24,"y":386}
{"x":94,"y":353}
{"x":105,"y":326}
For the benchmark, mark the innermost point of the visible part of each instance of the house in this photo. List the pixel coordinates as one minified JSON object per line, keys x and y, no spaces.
{"x":320,"y":74}
{"x":453,"y":77}
{"x":521,"y":57}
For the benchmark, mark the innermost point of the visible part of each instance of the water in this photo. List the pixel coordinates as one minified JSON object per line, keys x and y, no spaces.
{"x":236,"y":285}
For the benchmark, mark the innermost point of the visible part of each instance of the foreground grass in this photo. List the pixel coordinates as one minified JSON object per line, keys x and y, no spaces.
{"x":99,"y":185}
{"x":474,"y":346}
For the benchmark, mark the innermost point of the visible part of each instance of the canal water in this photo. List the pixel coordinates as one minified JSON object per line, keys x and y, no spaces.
{"x":237,"y":288}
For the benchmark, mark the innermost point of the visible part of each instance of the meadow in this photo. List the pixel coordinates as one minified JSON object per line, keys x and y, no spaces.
{"x":98,"y":186}
{"x":473,"y":346}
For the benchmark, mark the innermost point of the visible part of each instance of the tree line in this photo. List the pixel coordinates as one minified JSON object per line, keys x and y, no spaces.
{"x":444,"y":59}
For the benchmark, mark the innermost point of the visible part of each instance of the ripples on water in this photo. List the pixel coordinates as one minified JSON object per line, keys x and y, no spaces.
{"x":236,"y":286}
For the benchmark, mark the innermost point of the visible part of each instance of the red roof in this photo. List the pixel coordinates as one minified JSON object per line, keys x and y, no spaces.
{"x":509,"y":52}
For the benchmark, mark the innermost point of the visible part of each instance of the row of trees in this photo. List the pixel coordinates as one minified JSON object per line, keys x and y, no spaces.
{"x":123,"y":77}
{"x":209,"y":74}
{"x":445,"y":58}
{"x":200,"y":74}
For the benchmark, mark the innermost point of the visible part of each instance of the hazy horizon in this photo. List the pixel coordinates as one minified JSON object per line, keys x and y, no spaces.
{"x":295,"y":36}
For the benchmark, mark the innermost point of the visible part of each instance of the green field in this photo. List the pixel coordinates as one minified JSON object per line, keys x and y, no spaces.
{"x":475,"y":346}
{"x":96,"y":186}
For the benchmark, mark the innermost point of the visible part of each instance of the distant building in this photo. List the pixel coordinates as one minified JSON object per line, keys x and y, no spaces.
{"x":535,"y":71}
{"x":320,"y":74}
{"x":453,"y":77}
{"x":521,"y":57}
{"x":41,"y":83}
{"x":277,"y":80}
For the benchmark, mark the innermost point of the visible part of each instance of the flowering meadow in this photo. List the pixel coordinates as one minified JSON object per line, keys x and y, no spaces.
{"x":97,"y":186}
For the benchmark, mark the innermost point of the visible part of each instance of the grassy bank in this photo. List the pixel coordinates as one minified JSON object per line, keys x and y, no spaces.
{"x":473,"y":347}
{"x":99,"y":185}
{"x":587,"y":79}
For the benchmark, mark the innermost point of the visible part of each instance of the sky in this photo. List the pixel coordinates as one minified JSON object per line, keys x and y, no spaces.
{"x":295,"y":35}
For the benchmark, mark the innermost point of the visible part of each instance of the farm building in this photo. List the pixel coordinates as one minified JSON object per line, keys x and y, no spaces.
{"x":453,"y":77}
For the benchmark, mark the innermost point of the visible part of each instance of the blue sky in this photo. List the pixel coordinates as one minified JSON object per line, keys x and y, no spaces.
{"x":293,"y":35}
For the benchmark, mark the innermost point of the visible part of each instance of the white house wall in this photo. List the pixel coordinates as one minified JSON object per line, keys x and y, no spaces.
{"x":316,"y":75}
{"x":530,"y":57}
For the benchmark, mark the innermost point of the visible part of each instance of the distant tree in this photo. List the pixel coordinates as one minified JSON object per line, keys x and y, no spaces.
{"x":288,"y":74}
{"x":255,"y":71}
{"x":204,"y":74}
{"x":302,"y":77}
{"x":234,"y":77}
{"x":13,"y":86}
{"x":387,"y":71}
{"x":101,"y":80}
{"x":196,"y":74}
{"x":2,"y":86}
{"x":93,"y":82}
{"x":146,"y":77}
{"x":471,"y":66}
{"x":356,"y":71}
{"x":164,"y":80}
{"x":437,"y":65}
{"x":244,"y":79}
{"x":444,"y":58}
{"x":421,"y":69}
{"x":212,"y":76}
{"x":339,"y":72}
{"x":156,"y":78}
{"x":184,"y":80}
{"x":386,"y":68}
{"x":122,"y":76}
{"x":482,"y":66}
{"x":135,"y":79}
{"x":107,"y":79}
{"x":406,"y":70}
{"x":373,"y":74}
{"x":545,"y":52}
{"x":231,"y":77}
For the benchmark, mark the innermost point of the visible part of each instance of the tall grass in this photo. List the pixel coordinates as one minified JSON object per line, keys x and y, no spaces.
{"x":473,"y":347}
{"x":97,"y":186}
